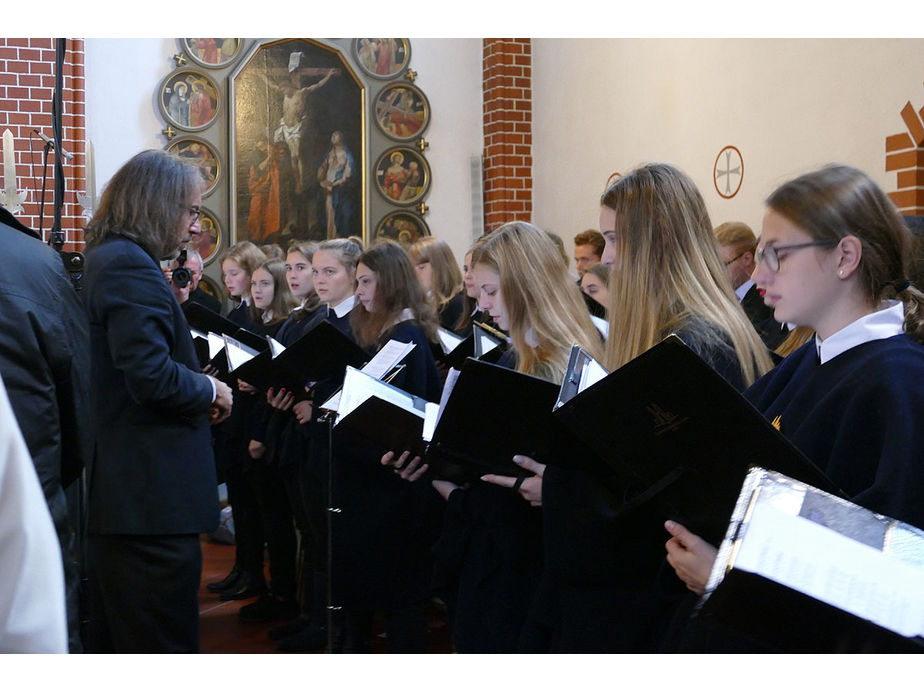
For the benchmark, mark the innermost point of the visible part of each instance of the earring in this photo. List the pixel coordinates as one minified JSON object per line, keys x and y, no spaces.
{"x":840,"y":273}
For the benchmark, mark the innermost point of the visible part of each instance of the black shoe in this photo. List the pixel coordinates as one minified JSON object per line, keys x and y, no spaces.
{"x":308,"y":639}
{"x":245,"y":588}
{"x":286,"y":630}
{"x":268,"y":608}
{"x":227,"y":583}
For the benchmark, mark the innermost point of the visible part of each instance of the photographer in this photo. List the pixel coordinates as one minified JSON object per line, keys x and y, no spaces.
{"x":184,"y":276}
{"x":152,"y":486}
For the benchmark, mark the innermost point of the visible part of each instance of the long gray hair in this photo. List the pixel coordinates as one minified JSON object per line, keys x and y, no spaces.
{"x":146,"y":201}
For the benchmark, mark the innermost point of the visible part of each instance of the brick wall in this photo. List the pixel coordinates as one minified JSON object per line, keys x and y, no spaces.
{"x":508,"y":122}
{"x":905,"y":156}
{"x":27,"y":80}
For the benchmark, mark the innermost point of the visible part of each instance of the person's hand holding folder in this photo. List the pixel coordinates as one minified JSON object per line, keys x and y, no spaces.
{"x":530,"y":487}
{"x":690,"y":556}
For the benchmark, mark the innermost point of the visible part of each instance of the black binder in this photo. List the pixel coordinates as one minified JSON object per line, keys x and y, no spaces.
{"x":323,"y":352}
{"x":204,"y":320}
{"x":383,"y":424}
{"x":492,"y":414}
{"x":680,"y":436}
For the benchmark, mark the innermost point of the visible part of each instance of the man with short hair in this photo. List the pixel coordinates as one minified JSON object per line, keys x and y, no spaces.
{"x":737,"y":245}
{"x":588,"y":249}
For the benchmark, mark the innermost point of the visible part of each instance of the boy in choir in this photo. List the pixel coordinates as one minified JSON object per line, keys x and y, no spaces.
{"x":833,"y":256}
{"x":737,"y":245}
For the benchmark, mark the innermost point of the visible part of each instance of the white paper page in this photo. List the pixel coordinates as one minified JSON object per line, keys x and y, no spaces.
{"x":431,"y":417}
{"x":592,"y":372}
{"x":358,"y":387}
{"x":448,"y":340}
{"x":828,"y":566}
{"x":378,"y":367}
{"x":275,"y":347}
{"x":388,"y":356}
{"x":487,"y":344}
{"x":238,"y":354}
{"x":197,"y":334}
{"x":216,"y":344}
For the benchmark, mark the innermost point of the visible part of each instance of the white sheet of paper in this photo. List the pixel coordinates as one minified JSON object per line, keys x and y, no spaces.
{"x":216,"y":344}
{"x":826,"y":565}
{"x":448,"y":340}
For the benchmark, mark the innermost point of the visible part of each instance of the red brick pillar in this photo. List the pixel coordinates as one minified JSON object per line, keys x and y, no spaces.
{"x":508,"y":123}
{"x":27,"y":80}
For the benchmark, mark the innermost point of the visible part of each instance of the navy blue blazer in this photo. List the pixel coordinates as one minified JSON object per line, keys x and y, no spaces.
{"x":153,"y":471}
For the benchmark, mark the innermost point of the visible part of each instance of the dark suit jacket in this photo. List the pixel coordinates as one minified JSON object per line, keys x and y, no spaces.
{"x":761,"y":316}
{"x":153,"y":471}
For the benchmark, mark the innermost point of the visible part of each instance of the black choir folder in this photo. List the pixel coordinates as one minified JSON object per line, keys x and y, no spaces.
{"x":679,"y":436}
{"x":204,"y":321}
{"x":380,"y":413}
{"x":492,"y":414}
{"x":803,"y":571}
{"x":322,"y":352}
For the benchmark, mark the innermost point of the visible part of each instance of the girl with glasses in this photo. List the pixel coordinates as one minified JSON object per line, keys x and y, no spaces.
{"x":834,"y":256}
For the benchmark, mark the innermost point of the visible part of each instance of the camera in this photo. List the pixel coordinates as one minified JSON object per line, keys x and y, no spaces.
{"x":181,"y":275}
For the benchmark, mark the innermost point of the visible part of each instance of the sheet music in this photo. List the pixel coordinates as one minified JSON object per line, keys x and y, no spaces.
{"x":359,"y":386}
{"x":197,"y":334}
{"x":828,"y":566}
{"x":448,"y":340}
{"x":434,"y":413}
{"x":582,"y":372}
{"x":238,"y":354}
{"x":378,"y":367}
{"x":275,"y":347}
{"x":216,"y":344}
{"x":387,"y":357}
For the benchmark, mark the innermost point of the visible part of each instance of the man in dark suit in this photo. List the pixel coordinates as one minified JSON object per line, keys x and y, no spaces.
{"x":44,"y":361}
{"x":152,"y":485}
{"x":737,"y":244}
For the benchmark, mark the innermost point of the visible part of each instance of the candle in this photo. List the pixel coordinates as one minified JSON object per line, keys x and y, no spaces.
{"x":12,"y":200}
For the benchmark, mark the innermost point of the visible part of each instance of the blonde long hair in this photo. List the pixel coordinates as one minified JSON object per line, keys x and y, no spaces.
{"x":547,"y":314}
{"x":667,"y":270}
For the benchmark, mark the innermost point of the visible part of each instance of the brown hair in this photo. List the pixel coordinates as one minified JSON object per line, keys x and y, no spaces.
{"x":736,"y":235}
{"x":447,"y":277}
{"x":591,"y":237}
{"x":397,"y":288}
{"x":283,"y":301}
{"x":839,"y":201}
{"x":306,"y":248}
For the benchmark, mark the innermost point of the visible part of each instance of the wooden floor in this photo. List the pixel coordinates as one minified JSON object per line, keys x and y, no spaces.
{"x":222,"y":632}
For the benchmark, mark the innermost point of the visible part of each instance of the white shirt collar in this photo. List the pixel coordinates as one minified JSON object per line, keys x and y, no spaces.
{"x":344,"y":306}
{"x":882,"y":324}
{"x":603,"y":326}
{"x":743,"y":289}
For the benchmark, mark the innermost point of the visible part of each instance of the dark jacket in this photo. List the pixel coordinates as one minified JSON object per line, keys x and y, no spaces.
{"x":153,"y":470}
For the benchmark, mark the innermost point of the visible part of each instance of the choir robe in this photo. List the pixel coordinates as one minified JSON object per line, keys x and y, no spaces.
{"x":580,"y":605}
{"x":382,"y":538}
{"x":489,"y":561}
{"x":858,"y":417}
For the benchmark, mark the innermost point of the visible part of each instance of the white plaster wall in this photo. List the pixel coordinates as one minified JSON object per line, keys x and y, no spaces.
{"x":789,"y":105}
{"x":122,"y":115}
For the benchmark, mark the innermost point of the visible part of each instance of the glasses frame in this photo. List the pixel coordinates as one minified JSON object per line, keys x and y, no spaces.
{"x":769,"y":253}
{"x":738,"y":256}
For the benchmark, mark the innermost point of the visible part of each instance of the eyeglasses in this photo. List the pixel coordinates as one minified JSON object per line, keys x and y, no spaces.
{"x":728,"y":262}
{"x":770,"y":253}
{"x":194,"y":212}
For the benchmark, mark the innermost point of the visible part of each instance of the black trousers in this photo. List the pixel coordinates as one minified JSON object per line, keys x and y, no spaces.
{"x":143,"y":593}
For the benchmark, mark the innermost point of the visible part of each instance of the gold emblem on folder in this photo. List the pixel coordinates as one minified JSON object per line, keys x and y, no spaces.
{"x":665,"y":421}
{"x":776,"y":422}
